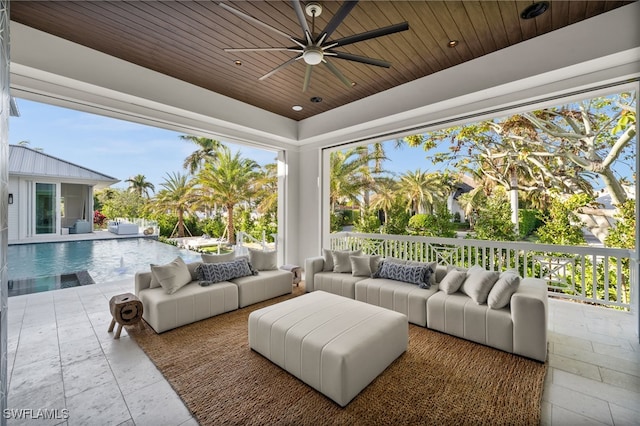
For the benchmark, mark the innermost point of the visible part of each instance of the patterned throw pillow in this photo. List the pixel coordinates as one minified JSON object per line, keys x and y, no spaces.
{"x":223,"y":271}
{"x":412,"y":274}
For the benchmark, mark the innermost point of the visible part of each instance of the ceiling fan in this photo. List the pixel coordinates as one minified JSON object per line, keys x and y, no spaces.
{"x":316,"y":49}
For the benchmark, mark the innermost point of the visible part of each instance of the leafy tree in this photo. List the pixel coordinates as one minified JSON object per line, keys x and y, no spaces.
{"x":561,"y":149}
{"x":207,"y":151}
{"x":560,"y":222}
{"x":494,"y":219}
{"x":140,"y":185}
{"x":439,"y":224}
{"x":228,"y":180}
{"x":368,"y":223}
{"x":121,"y":203}
{"x":623,"y":234}
{"x":177,"y":197}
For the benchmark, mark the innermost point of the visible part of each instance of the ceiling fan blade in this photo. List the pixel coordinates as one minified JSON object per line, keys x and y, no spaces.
{"x":391,"y":29}
{"x":263,"y":49}
{"x":279,"y":67}
{"x":361,"y":59}
{"x":338,"y":74}
{"x":337,"y":19}
{"x":307,"y":78}
{"x":301,"y":18}
{"x":253,"y":20}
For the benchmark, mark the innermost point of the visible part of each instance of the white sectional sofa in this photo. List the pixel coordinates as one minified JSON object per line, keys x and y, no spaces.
{"x":520,"y":327}
{"x":166,"y":307}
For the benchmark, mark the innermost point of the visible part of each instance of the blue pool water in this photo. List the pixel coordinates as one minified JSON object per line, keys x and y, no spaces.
{"x":47,"y":266}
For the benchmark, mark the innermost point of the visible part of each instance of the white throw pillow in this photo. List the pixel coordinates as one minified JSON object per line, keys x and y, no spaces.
{"x":217,"y":258}
{"x":452,"y":281}
{"x":192,"y":270}
{"x":341,"y":262}
{"x":364,"y":266}
{"x":172,"y":276}
{"x":503,"y":289}
{"x":263,"y":260}
{"x":478,"y":284}
{"x":328,"y":260}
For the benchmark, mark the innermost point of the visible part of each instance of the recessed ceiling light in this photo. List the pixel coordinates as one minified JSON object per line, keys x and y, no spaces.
{"x":353,"y":84}
{"x":238,"y":63}
{"x":296,"y":108}
{"x":534,"y":10}
{"x":316,"y":99}
{"x":452,"y":43}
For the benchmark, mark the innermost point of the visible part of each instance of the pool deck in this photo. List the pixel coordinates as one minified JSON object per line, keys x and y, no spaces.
{"x":95,"y":235}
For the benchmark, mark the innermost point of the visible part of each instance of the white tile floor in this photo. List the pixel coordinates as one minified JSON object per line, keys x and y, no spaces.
{"x":61,"y":357}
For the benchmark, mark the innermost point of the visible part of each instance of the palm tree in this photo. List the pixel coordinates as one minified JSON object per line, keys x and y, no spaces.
{"x":267,"y":188}
{"x":422,"y":190}
{"x":385,"y":197}
{"x":229,"y":180}
{"x":140,"y":185}
{"x":347,"y":179}
{"x":207,"y":151}
{"x":176,"y":196}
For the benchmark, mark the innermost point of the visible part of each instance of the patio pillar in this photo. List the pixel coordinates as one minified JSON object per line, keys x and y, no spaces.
{"x":4,"y":193}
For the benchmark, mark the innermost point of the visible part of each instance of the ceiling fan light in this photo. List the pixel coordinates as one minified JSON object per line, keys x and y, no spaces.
{"x":312,"y":55}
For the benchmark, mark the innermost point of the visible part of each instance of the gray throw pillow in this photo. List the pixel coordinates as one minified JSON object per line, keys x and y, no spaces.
{"x":217,"y":258}
{"x":363,"y":266}
{"x":211,"y":273}
{"x":341,"y":262}
{"x":263,"y":260}
{"x":172,"y":276}
{"x":500,"y":295}
{"x":452,"y":281}
{"x":328,"y":260}
{"x":432,"y":265}
{"x":478,"y":284}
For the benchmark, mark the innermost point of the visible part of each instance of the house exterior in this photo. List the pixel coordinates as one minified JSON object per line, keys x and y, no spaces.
{"x":47,"y":195}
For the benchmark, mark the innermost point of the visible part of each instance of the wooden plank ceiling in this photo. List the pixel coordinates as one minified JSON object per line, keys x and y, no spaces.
{"x":185,"y":39}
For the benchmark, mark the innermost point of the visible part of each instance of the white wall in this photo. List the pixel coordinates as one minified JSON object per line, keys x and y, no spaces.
{"x":14,"y":216}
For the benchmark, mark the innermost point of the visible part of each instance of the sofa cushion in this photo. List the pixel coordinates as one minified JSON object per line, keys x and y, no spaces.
{"x":412,"y":274}
{"x":478,"y":284}
{"x":501,"y":292}
{"x":263,"y":260}
{"x":192,"y":270}
{"x":172,"y":276}
{"x":224,"y":271}
{"x":217,"y":258}
{"x":453,"y":281}
{"x":364,"y":266}
{"x":341,"y":261}
{"x":328,"y":258}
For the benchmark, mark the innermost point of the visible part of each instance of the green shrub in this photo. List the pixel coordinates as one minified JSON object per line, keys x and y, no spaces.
{"x":528,"y":222}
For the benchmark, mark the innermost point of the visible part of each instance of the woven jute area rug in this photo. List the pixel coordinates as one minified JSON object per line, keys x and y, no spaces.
{"x":440,"y":380}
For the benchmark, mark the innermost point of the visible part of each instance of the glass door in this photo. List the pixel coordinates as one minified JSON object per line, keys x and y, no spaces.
{"x":45,"y":208}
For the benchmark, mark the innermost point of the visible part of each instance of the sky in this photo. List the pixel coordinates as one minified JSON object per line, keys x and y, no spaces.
{"x":122,"y":149}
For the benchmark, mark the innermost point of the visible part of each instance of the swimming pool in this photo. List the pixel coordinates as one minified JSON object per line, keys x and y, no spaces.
{"x":48,"y":266}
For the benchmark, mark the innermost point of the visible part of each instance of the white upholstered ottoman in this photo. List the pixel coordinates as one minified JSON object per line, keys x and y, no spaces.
{"x":334,"y":344}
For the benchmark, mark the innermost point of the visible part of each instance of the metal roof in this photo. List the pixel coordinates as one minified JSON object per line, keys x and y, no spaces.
{"x":24,"y":161}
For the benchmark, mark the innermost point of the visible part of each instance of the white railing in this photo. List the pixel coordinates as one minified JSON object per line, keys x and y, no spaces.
{"x":589,"y":274}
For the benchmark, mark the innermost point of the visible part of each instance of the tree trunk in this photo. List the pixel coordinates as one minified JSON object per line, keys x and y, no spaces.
{"x":513,"y":192}
{"x":232,"y":232}
{"x":180,"y":223}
